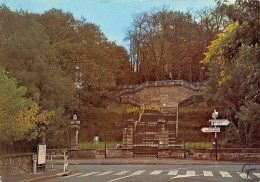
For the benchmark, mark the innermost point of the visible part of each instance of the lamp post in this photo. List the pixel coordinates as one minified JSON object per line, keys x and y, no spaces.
{"x":75,"y":132}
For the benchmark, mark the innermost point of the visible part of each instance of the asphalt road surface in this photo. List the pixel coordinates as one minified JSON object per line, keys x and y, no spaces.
{"x":161,"y":173}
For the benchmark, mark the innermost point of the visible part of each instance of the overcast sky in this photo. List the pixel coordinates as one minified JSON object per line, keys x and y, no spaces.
{"x":113,"y":16}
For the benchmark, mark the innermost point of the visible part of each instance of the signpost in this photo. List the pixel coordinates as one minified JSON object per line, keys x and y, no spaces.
{"x":215,"y":122}
{"x":219,"y":122}
{"x":211,"y":129}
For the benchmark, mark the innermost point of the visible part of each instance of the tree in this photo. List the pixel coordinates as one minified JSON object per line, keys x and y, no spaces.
{"x":28,"y":56}
{"x":234,"y":70}
{"x":20,"y":118}
{"x":165,"y":42}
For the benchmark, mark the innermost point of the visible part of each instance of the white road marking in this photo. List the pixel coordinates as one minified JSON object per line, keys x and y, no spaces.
{"x":190,"y":173}
{"x":173,"y":173}
{"x":156,"y":172}
{"x":104,"y":173}
{"x":88,"y":174}
{"x":257,"y":174}
{"x":207,"y":173}
{"x":121,"y":172}
{"x":225,"y":174}
{"x":244,"y":175}
{"x":138,"y":172}
{"x":76,"y":174}
{"x":133,"y":174}
{"x":184,"y":176}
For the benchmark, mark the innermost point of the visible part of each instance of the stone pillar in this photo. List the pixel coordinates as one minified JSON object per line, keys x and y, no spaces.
{"x":128,"y":134}
{"x":162,"y":135}
{"x":74,"y":134}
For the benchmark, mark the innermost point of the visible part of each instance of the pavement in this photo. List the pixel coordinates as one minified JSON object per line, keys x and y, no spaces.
{"x":48,"y":174}
{"x":56,"y":173}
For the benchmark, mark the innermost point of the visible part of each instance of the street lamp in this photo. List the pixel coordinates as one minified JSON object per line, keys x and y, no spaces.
{"x":75,"y":132}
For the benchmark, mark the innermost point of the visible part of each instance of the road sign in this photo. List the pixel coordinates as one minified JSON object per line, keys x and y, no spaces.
{"x":211,"y":129}
{"x":219,"y":122}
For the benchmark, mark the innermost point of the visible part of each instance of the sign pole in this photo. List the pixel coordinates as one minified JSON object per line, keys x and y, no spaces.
{"x":215,"y":115}
{"x":216,"y":143}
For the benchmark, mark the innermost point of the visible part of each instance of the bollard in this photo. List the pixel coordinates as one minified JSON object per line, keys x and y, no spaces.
{"x":34,"y":158}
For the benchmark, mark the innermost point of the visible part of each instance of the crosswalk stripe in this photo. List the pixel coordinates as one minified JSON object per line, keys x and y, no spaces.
{"x":244,"y":175}
{"x":121,"y":172}
{"x":172,"y":173}
{"x":104,"y":173}
{"x":138,"y":172}
{"x":190,"y":173}
{"x":257,"y":174}
{"x":207,"y":173}
{"x":225,"y":174}
{"x":87,"y":174}
{"x":156,"y":172}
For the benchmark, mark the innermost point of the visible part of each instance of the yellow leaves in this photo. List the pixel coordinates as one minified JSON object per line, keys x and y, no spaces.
{"x":31,"y":117}
{"x":215,"y":49}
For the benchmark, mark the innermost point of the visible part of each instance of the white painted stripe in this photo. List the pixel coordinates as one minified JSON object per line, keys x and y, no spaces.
{"x":133,"y":174}
{"x":121,"y":172}
{"x":156,"y":172}
{"x":173,"y":173}
{"x":87,"y":174}
{"x":225,"y":174}
{"x":138,"y":172}
{"x":257,"y":174}
{"x":207,"y":173}
{"x":76,"y":174}
{"x":244,"y":175}
{"x":190,"y":173}
{"x":104,"y":173}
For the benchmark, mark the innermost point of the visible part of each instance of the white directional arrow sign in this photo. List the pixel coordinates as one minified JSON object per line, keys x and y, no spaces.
{"x":211,"y":129}
{"x":219,"y":122}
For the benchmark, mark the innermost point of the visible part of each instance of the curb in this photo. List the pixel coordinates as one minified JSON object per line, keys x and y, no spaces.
{"x":161,"y":163}
{"x":49,"y":177}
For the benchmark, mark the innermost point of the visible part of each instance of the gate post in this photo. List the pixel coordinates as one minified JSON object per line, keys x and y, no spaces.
{"x":128,"y":134}
{"x":162,"y":135}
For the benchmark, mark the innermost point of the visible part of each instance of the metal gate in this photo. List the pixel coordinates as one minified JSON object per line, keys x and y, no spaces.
{"x":146,"y":137}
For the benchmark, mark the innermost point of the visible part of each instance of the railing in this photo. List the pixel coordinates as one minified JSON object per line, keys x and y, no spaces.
{"x":124,"y":89}
{"x":125,"y":100}
{"x":58,"y":153}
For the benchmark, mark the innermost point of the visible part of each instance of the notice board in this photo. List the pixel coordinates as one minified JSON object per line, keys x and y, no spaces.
{"x":41,"y":152}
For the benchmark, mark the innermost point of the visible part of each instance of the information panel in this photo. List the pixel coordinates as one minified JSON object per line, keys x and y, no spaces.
{"x":41,"y":151}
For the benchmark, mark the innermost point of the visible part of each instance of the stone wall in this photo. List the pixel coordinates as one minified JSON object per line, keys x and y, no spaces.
{"x":119,"y":153}
{"x":171,"y":153}
{"x":157,"y":96}
{"x":82,"y":154}
{"x":228,"y":154}
{"x":16,"y":164}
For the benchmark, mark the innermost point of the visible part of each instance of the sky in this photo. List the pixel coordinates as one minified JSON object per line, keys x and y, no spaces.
{"x":113,"y":17}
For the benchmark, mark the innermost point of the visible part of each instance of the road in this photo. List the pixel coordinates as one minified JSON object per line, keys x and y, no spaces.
{"x":160,"y":173}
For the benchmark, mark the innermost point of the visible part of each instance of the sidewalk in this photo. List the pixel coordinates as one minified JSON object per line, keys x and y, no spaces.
{"x":40,"y":176}
{"x":150,"y":161}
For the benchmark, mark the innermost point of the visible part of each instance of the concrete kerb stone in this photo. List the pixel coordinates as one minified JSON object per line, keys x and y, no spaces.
{"x":159,"y":162}
{"x":44,"y":178}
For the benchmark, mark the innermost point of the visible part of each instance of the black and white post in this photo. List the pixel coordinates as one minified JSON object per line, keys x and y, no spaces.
{"x":214,"y":116}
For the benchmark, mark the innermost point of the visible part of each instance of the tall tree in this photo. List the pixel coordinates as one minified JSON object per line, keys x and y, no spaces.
{"x":234,"y":70}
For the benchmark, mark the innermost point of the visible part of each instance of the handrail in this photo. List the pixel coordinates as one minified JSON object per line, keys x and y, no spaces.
{"x":64,"y":151}
{"x":134,"y":88}
{"x":140,"y":116}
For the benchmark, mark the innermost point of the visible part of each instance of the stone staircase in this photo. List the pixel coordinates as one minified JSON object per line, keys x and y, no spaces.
{"x":146,"y":135}
{"x":146,"y":142}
